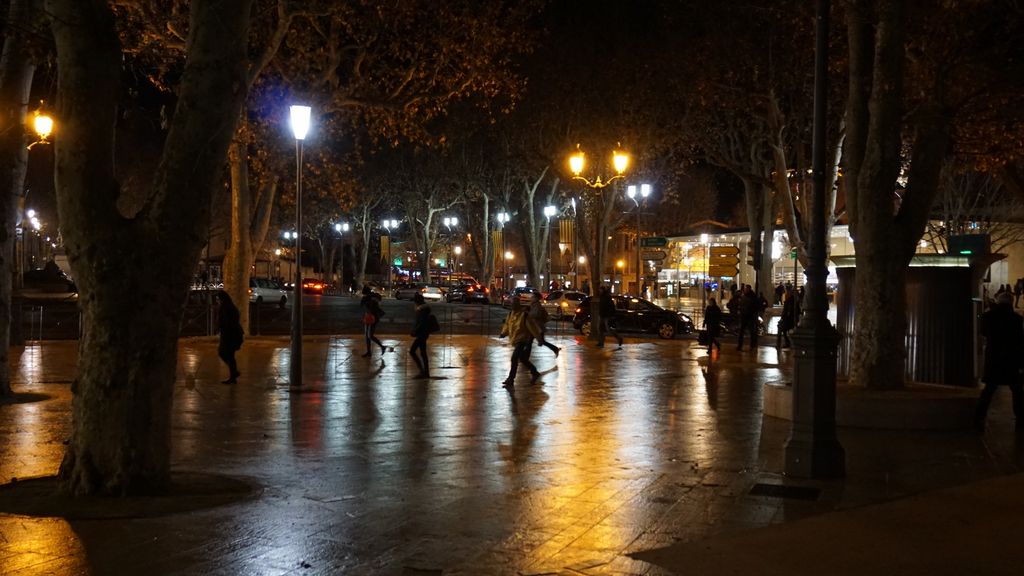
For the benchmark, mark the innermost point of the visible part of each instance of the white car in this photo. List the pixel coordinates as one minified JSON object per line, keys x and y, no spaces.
{"x":428,"y":291}
{"x":562,"y":303}
{"x":266,"y":290}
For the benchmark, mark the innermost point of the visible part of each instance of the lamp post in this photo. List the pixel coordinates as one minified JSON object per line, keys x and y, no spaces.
{"x":300,"y":127}
{"x":631,"y":191}
{"x":341,"y":228}
{"x":703,"y":282}
{"x":621,"y":265}
{"x":620,"y":162}
{"x":508,"y":258}
{"x":549,"y":211}
{"x":458,"y":252}
{"x":813,"y":449}
{"x":389,"y":225}
{"x":450,"y":221}
{"x":502,"y":218}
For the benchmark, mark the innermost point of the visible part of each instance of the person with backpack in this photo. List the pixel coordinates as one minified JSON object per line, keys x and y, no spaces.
{"x":371,"y":316}
{"x":539,"y":315}
{"x":521,"y":330}
{"x":424,"y":324}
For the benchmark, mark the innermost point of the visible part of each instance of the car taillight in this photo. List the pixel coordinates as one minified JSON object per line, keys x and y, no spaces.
{"x":578,"y":310}
{"x":469,"y":290}
{"x":487,"y":290}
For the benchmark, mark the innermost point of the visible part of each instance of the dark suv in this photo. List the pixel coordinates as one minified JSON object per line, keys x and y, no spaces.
{"x":634,"y":314}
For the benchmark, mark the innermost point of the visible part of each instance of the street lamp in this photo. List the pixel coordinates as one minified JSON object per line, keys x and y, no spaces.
{"x":389,"y":225}
{"x":508,"y":258}
{"x":450,"y":221}
{"x":43,"y":127}
{"x":621,"y":265}
{"x":458,"y":252}
{"x":300,"y":127}
{"x":502,"y":218}
{"x":550,"y":211}
{"x":703,"y":288}
{"x":577,"y":161}
{"x":341,"y":228}
{"x":631,"y":191}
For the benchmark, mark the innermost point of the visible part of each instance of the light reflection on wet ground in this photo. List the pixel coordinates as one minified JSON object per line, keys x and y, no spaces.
{"x":617,"y":451}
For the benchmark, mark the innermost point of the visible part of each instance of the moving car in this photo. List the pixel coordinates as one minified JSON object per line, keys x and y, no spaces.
{"x":312,"y":286}
{"x":636,"y":315}
{"x":429,"y":292}
{"x":266,"y":290}
{"x":469,"y":293}
{"x":562,"y":303}
{"x":524,"y":293}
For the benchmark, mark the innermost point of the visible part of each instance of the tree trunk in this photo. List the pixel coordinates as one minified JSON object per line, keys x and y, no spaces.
{"x":16,"y":72}
{"x":133,"y":273}
{"x":238,"y":258}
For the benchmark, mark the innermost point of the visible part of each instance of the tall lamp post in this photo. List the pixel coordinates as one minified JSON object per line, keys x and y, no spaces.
{"x":300,"y":127}
{"x":389,"y":225}
{"x":704,"y":281}
{"x":503,"y":218}
{"x":620,"y":162}
{"x":550,"y":211}
{"x":450,"y":221}
{"x":631,"y":191}
{"x":813,"y":449}
{"x":341,"y":228}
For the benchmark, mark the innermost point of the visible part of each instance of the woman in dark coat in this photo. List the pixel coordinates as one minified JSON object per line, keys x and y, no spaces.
{"x":371,"y":316}
{"x":230,"y":335}
{"x":1003,"y":330}
{"x":713,"y":324}
{"x":420,"y":333}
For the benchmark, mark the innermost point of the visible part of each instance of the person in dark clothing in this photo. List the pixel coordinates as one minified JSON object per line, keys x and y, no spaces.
{"x":539,"y":315}
{"x":371,"y":316}
{"x":788,"y":319}
{"x":713,"y":324}
{"x":420,"y":333}
{"x":231,"y":335}
{"x":750,"y":305}
{"x":1018,"y":289}
{"x":606,"y":309}
{"x":1003,"y":330}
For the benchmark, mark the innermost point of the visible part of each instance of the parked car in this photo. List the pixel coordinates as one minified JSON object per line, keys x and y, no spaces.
{"x":429,"y":292}
{"x":634,"y":314}
{"x":469,"y":293}
{"x":313,"y":286}
{"x":266,"y":290}
{"x":51,"y":281}
{"x":562,"y":303}
{"x":524,"y":293}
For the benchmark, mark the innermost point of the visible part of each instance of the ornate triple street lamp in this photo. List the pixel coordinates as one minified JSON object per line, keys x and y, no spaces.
{"x":300,"y":127}
{"x":577,"y":163}
{"x":645,"y":191}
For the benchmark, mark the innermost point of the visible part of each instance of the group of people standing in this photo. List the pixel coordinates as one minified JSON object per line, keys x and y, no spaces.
{"x":749,"y":307}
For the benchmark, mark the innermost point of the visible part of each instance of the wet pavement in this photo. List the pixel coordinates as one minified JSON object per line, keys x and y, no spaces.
{"x":614,"y":452}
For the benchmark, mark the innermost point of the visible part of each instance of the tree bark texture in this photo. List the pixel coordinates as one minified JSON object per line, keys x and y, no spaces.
{"x":16,"y":72}
{"x":133,"y":274}
{"x":886,"y":228}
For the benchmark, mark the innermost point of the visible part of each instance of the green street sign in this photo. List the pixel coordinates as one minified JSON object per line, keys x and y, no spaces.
{"x":653,"y":242}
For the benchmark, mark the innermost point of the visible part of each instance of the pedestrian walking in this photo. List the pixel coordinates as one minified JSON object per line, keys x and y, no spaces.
{"x":787,"y":321}
{"x":1018,"y":289}
{"x":606,"y":311}
{"x":231,"y":335}
{"x":539,"y":315}
{"x":372,"y":312}
{"x":1003,"y":330}
{"x":713,"y":324}
{"x":521,"y":331}
{"x":421,"y":329}
{"x":749,"y":306}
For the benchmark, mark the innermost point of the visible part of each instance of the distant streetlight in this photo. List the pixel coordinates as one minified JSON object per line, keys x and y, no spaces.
{"x":621,"y":265}
{"x":341,"y":228}
{"x":389,"y":225}
{"x":450,"y":221}
{"x":42,"y":125}
{"x":503,"y":218}
{"x":300,"y":127}
{"x":458,"y":253}
{"x":645,"y":191}
{"x":549,"y":212}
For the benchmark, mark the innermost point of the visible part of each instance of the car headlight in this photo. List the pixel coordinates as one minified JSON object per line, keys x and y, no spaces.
{"x":685,"y":318}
